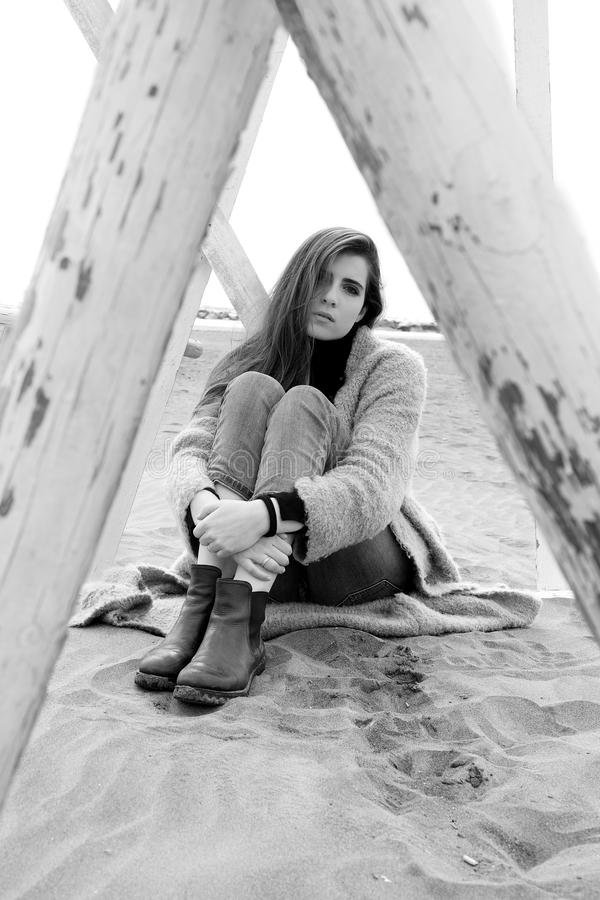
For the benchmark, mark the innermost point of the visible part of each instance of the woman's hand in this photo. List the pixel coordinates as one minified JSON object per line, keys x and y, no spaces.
{"x":232,"y":526}
{"x":277,"y":548}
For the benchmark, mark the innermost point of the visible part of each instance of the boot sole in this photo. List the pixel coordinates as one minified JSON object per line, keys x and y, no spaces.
{"x":154,"y":682}
{"x":214,"y":698}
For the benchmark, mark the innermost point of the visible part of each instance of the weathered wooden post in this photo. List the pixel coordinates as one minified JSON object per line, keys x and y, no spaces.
{"x":220,"y":250}
{"x":235,"y":272}
{"x":532,"y":81}
{"x":467,"y":193}
{"x":173,"y":90}
{"x":532,"y":69}
{"x":93,"y":18}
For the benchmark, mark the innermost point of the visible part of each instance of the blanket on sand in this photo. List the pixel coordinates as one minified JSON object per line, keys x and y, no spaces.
{"x":149,"y":597}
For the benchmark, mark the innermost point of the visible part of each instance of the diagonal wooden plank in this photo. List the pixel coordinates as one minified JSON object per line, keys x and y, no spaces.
{"x":220,"y":250}
{"x":171,"y":95}
{"x":532,"y":82}
{"x":8,"y":316}
{"x":532,"y":69}
{"x":466,"y":191}
{"x":235,"y":271}
{"x":92,"y":18}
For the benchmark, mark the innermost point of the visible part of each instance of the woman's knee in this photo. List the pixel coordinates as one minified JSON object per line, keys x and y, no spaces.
{"x":304,"y":399}
{"x":306,"y":393}
{"x":253,"y":382}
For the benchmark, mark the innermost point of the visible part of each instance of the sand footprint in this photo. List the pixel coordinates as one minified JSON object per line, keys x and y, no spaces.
{"x":114,"y":677}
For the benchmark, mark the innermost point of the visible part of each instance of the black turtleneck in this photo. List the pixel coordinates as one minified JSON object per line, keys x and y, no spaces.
{"x":327,"y":374}
{"x":328,"y":363}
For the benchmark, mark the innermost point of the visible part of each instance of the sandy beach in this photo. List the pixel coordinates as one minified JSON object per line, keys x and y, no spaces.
{"x":461,"y":766}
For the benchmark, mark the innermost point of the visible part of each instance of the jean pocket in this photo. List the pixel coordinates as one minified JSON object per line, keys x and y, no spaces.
{"x":376,"y":591}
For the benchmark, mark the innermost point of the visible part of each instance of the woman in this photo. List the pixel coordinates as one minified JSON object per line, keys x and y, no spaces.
{"x":306,"y":432}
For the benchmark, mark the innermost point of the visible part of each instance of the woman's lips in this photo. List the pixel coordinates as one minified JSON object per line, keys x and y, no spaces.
{"x":322,"y":317}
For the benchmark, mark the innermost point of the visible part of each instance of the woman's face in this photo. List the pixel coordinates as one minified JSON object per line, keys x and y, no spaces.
{"x":341,"y":294}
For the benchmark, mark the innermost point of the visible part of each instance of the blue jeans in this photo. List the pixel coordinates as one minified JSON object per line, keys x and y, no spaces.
{"x":265,"y":439}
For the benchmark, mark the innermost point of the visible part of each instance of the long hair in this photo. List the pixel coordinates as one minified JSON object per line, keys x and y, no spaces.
{"x":281,"y":346}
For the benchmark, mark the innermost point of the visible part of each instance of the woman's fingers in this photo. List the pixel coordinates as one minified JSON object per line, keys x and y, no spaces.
{"x":280,"y":558}
{"x":279,"y":551}
{"x":265,"y":566}
{"x":282,"y":544}
{"x":273,"y":567}
{"x":259,"y":572}
{"x":267,"y":558}
{"x":282,"y":555}
{"x":253,"y":562}
{"x":262,"y":571}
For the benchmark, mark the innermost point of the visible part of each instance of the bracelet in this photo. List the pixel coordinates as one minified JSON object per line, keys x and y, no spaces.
{"x":212,"y":490}
{"x":272,"y":513}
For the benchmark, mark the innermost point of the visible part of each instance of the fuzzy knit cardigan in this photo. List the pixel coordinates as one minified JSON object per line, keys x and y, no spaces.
{"x":380,"y":404}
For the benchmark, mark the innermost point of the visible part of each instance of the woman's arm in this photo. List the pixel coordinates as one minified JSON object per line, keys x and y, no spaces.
{"x":190,"y":450}
{"x":357,"y":499}
{"x":285,"y":525}
{"x":201,"y":500}
{"x":289,"y":509}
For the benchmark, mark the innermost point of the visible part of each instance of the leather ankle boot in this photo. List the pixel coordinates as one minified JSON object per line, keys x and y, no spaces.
{"x":159,"y":668}
{"x":232,"y":651}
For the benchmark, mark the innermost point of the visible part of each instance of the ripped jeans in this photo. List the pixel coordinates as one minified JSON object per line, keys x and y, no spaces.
{"x":265,"y":439}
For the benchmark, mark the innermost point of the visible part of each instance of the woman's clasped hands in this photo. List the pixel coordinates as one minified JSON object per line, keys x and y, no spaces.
{"x":233,"y":528}
{"x":230,"y":526}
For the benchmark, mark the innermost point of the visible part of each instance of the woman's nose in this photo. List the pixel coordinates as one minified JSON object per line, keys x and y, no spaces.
{"x":331,"y":294}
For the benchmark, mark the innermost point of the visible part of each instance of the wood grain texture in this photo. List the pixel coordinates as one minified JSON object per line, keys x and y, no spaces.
{"x":235,"y":272}
{"x":172,"y":93}
{"x":179,"y":339}
{"x":163,"y":385}
{"x":532,"y":69}
{"x":532,"y":82}
{"x":467,"y":194}
{"x":92,"y":18}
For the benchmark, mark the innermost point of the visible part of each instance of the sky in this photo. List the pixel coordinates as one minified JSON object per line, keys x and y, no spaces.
{"x":300,"y":177}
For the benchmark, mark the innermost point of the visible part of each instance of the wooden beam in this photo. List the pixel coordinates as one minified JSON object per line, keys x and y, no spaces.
{"x":532,"y":81}
{"x":93,"y":18}
{"x":221,"y":247}
{"x":235,"y":272}
{"x":466,"y":191}
{"x":8,"y":316}
{"x":179,"y":339}
{"x":229,"y":252}
{"x":172,"y":93}
{"x":532,"y":69}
